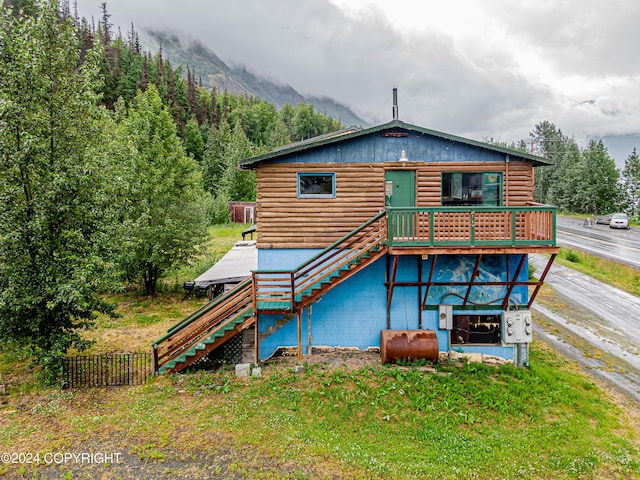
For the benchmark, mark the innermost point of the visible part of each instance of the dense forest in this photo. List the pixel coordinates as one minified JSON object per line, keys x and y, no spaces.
{"x":217,"y":128}
{"x":114,"y":163}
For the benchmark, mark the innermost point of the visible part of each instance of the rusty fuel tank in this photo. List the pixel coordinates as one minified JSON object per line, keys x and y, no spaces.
{"x":408,"y":345}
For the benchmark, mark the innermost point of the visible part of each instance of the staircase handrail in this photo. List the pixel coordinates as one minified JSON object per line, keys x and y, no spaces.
{"x":203,"y":309}
{"x":327,"y":249}
{"x":179,"y":340}
{"x":290,"y":279}
{"x":286,"y":285}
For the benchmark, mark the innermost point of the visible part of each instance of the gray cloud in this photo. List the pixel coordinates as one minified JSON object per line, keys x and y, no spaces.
{"x":518,"y":63}
{"x":590,"y":37}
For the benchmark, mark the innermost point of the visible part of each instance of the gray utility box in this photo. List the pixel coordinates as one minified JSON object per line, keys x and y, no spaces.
{"x":445,"y":317}
{"x":516,"y":326}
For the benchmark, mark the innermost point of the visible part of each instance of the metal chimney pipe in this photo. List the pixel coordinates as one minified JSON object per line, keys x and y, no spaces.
{"x":395,"y":103}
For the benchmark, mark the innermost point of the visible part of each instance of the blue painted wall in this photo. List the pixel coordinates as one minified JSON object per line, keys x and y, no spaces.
{"x":376,"y":148}
{"x":353,"y":313}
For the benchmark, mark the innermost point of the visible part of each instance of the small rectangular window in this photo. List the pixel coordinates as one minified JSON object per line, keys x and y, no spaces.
{"x":474,"y":329}
{"x":316,"y":185}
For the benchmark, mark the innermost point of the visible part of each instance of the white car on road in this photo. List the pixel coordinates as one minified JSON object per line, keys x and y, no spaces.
{"x":619,"y":220}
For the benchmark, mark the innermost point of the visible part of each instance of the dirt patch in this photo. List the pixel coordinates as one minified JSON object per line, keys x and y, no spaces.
{"x":350,"y":359}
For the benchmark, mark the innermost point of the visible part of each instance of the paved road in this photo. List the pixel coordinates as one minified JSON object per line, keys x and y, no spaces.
{"x":604,"y":318}
{"x":619,"y":245}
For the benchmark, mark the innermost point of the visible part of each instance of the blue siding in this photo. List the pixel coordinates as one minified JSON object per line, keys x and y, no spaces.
{"x":353,"y":313}
{"x":376,"y":148}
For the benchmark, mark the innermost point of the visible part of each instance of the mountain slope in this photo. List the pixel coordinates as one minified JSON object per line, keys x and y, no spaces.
{"x":216,"y":73}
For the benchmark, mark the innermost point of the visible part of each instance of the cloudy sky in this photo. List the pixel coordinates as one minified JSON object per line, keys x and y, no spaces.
{"x":475,"y":68}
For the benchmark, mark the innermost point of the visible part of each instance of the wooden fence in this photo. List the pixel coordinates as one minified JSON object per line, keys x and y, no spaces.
{"x":111,"y":369}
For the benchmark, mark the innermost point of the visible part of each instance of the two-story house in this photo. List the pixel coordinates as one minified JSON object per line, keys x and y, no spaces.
{"x":364,"y":233}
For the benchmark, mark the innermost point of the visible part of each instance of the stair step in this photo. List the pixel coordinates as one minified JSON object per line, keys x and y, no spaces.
{"x":167,"y":366}
{"x":274,"y":305}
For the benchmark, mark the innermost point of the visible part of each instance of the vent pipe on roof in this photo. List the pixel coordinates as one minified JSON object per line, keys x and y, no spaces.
{"x":395,"y":103}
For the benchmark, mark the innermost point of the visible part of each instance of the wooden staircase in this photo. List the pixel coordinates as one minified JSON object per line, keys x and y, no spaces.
{"x":205,"y":329}
{"x":269,"y":291}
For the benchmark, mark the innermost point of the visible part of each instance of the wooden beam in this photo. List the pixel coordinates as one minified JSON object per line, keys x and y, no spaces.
{"x":541,"y":280}
{"x":256,"y":341}
{"x":299,"y":337}
{"x":473,"y":275}
{"x":426,"y":250}
{"x":428,"y":284}
{"x":419,"y":293}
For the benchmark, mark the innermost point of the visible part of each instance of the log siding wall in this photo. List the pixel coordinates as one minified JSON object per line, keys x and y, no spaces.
{"x":285,"y":221}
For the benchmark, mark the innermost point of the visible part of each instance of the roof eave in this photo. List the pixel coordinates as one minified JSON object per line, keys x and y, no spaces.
{"x":250,"y":163}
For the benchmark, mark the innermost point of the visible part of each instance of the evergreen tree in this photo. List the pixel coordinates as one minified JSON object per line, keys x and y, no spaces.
{"x":597,"y":190}
{"x":51,"y":195}
{"x":193,"y":142}
{"x":105,"y":26}
{"x":631,"y":184}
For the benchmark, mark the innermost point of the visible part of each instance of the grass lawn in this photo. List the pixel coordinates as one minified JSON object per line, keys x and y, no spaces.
{"x":621,"y":276}
{"x":469,"y":421}
{"x":330,"y":421}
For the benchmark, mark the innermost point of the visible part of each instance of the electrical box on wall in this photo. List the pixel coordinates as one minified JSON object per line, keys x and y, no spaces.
{"x":516,"y":326}
{"x":445,"y":317}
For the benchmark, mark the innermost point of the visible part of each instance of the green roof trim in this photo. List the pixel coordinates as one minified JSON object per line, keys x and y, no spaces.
{"x":355,"y":132}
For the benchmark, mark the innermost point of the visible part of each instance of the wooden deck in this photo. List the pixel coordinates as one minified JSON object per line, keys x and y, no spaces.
{"x":461,"y":230}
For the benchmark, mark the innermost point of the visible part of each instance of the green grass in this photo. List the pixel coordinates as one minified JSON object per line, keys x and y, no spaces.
{"x":470,"y":421}
{"x":221,"y":239}
{"x":616,"y":274}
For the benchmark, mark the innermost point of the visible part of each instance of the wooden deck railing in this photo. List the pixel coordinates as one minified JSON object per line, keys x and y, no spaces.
{"x":472,"y":226}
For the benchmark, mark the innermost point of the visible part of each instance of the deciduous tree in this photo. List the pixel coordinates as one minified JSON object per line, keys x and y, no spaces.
{"x":164,"y":221}
{"x":52,"y":197}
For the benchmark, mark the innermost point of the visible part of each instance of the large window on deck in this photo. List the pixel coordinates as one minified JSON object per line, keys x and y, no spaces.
{"x":316,"y":185}
{"x":471,"y":188}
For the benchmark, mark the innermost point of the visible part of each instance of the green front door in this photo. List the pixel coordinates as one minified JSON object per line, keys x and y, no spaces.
{"x":400,"y":188}
{"x":400,"y":192}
